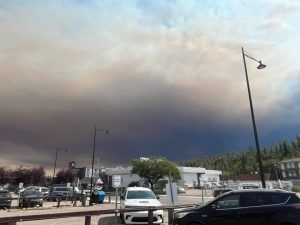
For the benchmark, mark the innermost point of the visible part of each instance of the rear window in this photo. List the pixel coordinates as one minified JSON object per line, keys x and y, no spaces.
{"x":255,"y":199}
{"x":61,"y":189}
{"x":278,"y":198}
{"x":140,"y":195}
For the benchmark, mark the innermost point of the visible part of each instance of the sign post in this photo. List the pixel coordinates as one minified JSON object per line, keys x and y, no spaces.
{"x":171,"y":190}
{"x":68,"y":189}
{"x":116,"y":183}
{"x":20,"y":187}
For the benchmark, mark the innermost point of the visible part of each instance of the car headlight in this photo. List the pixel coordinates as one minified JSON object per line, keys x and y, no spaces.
{"x":180,"y":215}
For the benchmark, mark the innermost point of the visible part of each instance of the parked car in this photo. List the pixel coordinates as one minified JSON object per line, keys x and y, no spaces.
{"x":43,"y":190}
{"x":5,"y":199}
{"x":218,"y":192}
{"x":140,"y":197}
{"x":250,"y":186}
{"x":180,"y":190}
{"x":64,"y":192}
{"x":261,"y":207}
{"x":30,"y":197}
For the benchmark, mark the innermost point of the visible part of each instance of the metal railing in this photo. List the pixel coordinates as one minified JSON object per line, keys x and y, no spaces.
{"x":58,"y":199}
{"x":88,"y":214}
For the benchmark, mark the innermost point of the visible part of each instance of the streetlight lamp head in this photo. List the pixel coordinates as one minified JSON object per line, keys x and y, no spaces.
{"x":261,"y":66}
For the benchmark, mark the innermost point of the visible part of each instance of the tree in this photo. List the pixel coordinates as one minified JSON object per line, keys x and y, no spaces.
{"x":38,"y":176}
{"x":4,"y":176}
{"x":64,"y":176}
{"x":21,"y":175}
{"x":154,"y":168}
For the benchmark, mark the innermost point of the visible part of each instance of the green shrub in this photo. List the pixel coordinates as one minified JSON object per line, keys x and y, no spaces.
{"x":159,"y":192}
{"x":296,"y":189}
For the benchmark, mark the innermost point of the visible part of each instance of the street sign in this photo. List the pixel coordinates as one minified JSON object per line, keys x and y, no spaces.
{"x":68,"y":185}
{"x":171,"y":190}
{"x":20,"y":185}
{"x":117,"y":181}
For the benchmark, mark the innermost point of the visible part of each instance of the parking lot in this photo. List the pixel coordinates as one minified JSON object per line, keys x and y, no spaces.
{"x":192,"y":196}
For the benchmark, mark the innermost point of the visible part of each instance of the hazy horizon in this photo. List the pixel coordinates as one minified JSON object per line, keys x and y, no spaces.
{"x":164,"y":77}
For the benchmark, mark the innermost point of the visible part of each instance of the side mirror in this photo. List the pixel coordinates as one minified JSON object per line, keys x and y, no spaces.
{"x":157,"y":197}
{"x":122,"y":197}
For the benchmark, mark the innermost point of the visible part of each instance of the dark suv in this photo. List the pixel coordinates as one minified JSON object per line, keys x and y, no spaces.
{"x":246,"y":207}
{"x":64,"y":192}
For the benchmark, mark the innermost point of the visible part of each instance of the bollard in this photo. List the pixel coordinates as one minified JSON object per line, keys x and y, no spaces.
{"x":170,"y":216}
{"x":83,"y":200}
{"x":58,"y":202}
{"x":109,"y":198}
{"x":87,"y":220}
{"x":75,"y":202}
{"x":150,"y":216}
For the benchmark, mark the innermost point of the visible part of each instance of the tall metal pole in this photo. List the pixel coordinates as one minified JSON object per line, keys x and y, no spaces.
{"x":91,"y":187}
{"x":56,"y":153}
{"x":254,"y":127}
{"x":92,"y":177}
{"x":54,"y":164}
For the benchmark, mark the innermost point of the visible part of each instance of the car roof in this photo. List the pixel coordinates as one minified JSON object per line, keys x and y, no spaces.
{"x":223,"y":189}
{"x":138,"y":189}
{"x":260,"y":190}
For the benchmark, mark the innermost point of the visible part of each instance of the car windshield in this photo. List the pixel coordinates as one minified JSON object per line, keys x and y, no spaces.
{"x":4,"y":194}
{"x":31,"y":192}
{"x":140,"y":195}
{"x":61,"y":189}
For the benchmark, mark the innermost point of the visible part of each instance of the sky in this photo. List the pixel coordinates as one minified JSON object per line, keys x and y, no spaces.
{"x":166,"y":78}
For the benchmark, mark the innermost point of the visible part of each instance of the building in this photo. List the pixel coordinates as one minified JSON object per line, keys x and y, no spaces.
{"x":290,"y":169}
{"x":82,"y":175}
{"x":190,"y":176}
{"x":199,"y":177}
{"x":126,"y":176}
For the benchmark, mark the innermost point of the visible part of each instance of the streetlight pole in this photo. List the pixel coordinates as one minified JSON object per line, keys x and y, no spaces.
{"x":94,"y":145}
{"x":57,"y":150}
{"x":260,"y":66}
